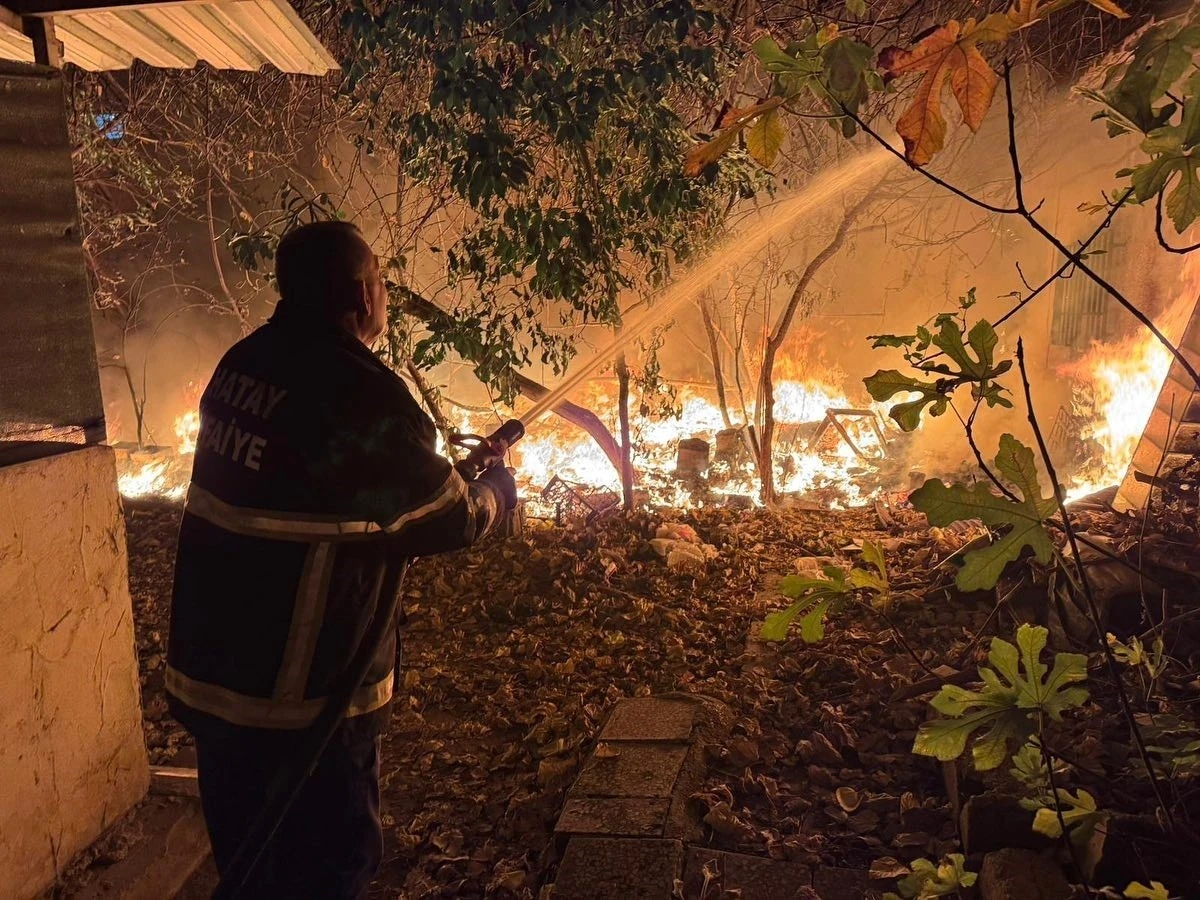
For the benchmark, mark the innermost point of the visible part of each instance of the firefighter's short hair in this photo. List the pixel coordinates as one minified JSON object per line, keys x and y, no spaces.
{"x":318,"y":264}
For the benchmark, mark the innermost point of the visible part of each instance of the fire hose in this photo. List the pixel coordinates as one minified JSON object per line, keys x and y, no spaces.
{"x":485,"y":452}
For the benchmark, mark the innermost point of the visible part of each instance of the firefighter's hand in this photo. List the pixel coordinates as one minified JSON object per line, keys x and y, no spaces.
{"x":500,"y":480}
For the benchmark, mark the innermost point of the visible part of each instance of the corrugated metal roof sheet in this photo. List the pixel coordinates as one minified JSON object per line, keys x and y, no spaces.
{"x":240,"y":34}
{"x":48,"y":374}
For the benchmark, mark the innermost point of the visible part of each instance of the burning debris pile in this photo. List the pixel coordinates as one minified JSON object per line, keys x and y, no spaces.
{"x":829,"y":453}
{"x":700,"y":458}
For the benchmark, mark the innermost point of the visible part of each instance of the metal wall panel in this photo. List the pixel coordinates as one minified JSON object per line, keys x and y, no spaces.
{"x":49,"y":383}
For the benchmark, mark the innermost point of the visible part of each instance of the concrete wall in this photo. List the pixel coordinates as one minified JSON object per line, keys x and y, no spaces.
{"x":72,"y":756}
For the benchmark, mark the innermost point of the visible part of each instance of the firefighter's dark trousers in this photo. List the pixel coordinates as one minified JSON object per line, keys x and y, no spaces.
{"x":330,"y":843}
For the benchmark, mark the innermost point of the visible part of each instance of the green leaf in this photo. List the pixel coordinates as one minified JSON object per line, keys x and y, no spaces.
{"x":929,"y":880}
{"x":1052,"y":694}
{"x":765,"y":138}
{"x":777,"y":62}
{"x":775,"y":626}
{"x":1183,"y":203}
{"x":1016,"y":693}
{"x":845,"y":64}
{"x":1078,"y":813}
{"x":944,"y":504}
{"x":876,"y":581}
{"x":1138,"y":891}
{"x":812,"y":623}
{"x":1150,"y":178}
{"x":815,"y":598}
{"x":1029,"y":768}
{"x":1164,"y":54}
{"x":946,"y":739}
{"x":886,"y":383}
{"x":857,"y":8}
{"x":796,"y":586}
{"x":809,"y":611}
{"x":872,"y":553}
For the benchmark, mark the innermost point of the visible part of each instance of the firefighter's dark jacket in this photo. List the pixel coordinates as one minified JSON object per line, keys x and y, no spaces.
{"x":314,"y":471}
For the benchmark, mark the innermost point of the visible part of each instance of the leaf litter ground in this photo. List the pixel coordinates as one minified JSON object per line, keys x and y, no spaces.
{"x":515,"y":651}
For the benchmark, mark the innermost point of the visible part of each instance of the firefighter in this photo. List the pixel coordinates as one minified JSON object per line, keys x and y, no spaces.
{"x":315,"y":471}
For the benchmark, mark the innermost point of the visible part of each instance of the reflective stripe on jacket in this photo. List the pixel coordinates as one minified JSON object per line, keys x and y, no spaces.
{"x":315,"y":470}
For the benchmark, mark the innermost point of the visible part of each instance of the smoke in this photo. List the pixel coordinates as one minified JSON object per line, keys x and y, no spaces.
{"x":921,"y":249}
{"x":916,"y":251}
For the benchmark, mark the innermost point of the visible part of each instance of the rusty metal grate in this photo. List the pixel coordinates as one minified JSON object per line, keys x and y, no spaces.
{"x":1083,"y":312}
{"x":577,"y":502}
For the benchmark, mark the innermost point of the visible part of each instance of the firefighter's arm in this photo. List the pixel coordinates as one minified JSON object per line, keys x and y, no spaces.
{"x":455,"y":514}
{"x":419,"y":500}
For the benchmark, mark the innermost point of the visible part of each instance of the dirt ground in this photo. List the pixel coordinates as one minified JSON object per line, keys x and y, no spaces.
{"x":514,"y":651}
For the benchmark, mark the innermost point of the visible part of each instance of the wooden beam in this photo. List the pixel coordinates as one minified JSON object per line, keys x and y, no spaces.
{"x":86,"y":48}
{"x":10,"y":20}
{"x":65,"y":7}
{"x":47,"y":48}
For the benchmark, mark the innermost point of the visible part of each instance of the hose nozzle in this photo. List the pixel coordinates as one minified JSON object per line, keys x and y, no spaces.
{"x":487,"y":451}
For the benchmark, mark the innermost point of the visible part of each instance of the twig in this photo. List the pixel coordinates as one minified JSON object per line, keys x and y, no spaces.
{"x":1162,"y":626}
{"x":967,"y":425}
{"x":1072,"y":257}
{"x":1060,"y":272}
{"x":1115,"y":557}
{"x":1028,"y":215}
{"x":1062,"y":822}
{"x":1089,"y":597}
{"x":940,"y":182}
{"x":1158,"y":229}
{"x":1074,"y":763}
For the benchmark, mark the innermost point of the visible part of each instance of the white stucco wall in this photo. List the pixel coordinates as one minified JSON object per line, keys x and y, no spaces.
{"x":72,"y":755}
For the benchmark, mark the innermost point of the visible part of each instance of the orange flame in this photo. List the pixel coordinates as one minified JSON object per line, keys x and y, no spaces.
{"x":1122,"y":381}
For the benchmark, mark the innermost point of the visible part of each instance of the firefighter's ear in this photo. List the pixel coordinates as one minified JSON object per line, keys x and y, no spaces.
{"x":362,"y":300}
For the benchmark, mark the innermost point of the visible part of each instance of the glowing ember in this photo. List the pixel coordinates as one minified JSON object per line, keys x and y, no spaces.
{"x":152,"y":479}
{"x":164,"y":477}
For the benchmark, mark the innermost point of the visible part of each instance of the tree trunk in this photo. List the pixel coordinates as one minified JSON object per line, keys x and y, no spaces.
{"x":432,"y":400}
{"x":714,"y":349}
{"x":431,"y":314}
{"x":626,"y":445}
{"x":766,"y":386}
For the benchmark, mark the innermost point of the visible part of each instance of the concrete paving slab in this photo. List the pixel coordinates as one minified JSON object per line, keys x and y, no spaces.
{"x":627,"y":868}
{"x":650,"y":719}
{"x":631,"y":769}
{"x":614,"y":816}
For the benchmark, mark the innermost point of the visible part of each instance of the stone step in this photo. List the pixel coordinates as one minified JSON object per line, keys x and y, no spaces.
{"x":602,"y":868}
